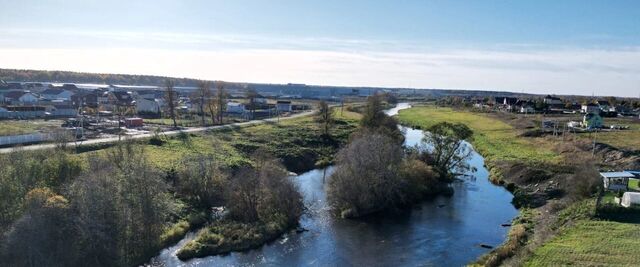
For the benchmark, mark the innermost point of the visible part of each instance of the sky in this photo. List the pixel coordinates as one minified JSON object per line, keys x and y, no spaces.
{"x":546,"y":47}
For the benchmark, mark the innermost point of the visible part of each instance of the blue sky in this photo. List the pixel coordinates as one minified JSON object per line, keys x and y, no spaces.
{"x":564,"y":47}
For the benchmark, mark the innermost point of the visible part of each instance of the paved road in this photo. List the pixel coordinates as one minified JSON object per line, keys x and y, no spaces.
{"x":139,"y":136}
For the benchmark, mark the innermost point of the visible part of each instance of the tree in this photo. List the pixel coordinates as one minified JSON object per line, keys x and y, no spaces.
{"x":171,"y":97}
{"x":373,"y":112}
{"x":251,"y":95}
{"x":264,"y":193}
{"x":220,"y":100}
{"x":202,"y":180}
{"x":204,"y":96}
{"x":448,"y":150}
{"x":366,"y":178}
{"x":325,"y":117}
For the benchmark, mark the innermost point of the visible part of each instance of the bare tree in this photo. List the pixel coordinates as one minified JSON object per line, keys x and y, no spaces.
{"x":366,"y":179}
{"x":325,"y":117}
{"x":221,"y":100}
{"x":171,"y":97}
{"x":251,"y":95}
{"x":204,"y":95}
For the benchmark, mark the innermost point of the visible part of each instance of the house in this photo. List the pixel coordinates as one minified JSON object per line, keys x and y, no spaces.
{"x":20,"y":97}
{"x":235,"y":107}
{"x":144,"y":105}
{"x":590,"y":108}
{"x":85,"y":99}
{"x":552,"y":100}
{"x":283,"y":106}
{"x":116,"y":99}
{"x":506,"y":103}
{"x":592,"y":121}
{"x":604,"y":105}
{"x":616,"y":181}
{"x":525,"y":106}
{"x":52,"y":94}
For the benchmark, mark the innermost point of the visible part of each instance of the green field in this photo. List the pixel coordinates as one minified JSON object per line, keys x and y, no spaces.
{"x":292,"y":140}
{"x":592,"y":243}
{"x":495,"y":139}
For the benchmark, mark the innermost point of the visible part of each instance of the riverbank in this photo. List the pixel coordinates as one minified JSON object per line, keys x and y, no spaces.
{"x":546,"y":174}
{"x":424,"y":234}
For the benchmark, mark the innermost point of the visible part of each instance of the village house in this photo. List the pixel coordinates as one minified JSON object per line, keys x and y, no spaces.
{"x":604,"y":105}
{"x":506,"y":103}
{"x":20,"y":98}
{"x":85,"y":99}
{"x":236,"y":108}
{"x":283,"y":106}
{"x":53,"y":94}
{"x":590,"y":108}
{"x":144,"y":105}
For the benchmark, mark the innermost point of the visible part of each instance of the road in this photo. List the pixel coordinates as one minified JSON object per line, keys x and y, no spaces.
{"x":147,"y":135}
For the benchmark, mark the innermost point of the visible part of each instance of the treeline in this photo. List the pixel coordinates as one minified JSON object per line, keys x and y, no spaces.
{"x":375,"y":173}
{"x":84,"y":77}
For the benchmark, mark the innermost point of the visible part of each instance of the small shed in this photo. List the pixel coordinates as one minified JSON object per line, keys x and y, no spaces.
{"x":630,"y":198}
{"x":133,"y":122}
{"x":616,"y":181}
{"x":283,"y":106}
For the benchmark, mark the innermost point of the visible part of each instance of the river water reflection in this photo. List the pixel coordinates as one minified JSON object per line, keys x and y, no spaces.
{"x":445,"y":231}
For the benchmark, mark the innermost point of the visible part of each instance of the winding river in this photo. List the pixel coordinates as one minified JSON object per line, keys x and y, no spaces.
{"x":445,"y":231}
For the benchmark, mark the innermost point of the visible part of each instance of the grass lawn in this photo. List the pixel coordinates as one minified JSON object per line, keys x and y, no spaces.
{"x":633,"y":184}
{"x":592,"y":243}
{"x":291,"y":140}
{"x":12,"y":127}
{"x":493,"y":138}
{"x":625,"y":139}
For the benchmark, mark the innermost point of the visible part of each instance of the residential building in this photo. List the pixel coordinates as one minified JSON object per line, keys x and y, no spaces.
{"x":19,"y":98}
{"x":590,"y":108}
{"x":283,"y":106}
{"x":144,"y":105}
{"x":235,"y":107}
{"x":52,"y":94}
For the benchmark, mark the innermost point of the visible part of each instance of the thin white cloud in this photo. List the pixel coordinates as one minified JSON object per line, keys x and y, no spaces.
{"x":327,"y":61}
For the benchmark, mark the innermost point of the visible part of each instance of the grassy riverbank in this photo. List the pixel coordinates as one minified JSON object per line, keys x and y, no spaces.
{"x":547,"y":175}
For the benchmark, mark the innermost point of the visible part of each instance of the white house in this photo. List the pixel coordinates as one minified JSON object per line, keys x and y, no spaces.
{"x":149,"y":105}
{"x":235,"y":107}
{"x":283,"y":106}
{"x":57,"y":94}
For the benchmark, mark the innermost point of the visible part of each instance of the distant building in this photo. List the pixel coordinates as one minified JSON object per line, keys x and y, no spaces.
{"x":52,"y":94}
{"x":506,"y":103}
{"x":235,"y":107}
{"x":283,"y":106}
{"x":144,"y":105}
{"x":590,"y":108}
{"x":552,"y":100}
{"x":20,"y":98}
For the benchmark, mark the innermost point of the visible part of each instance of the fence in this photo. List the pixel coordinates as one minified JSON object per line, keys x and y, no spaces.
{"x":25,"y":138}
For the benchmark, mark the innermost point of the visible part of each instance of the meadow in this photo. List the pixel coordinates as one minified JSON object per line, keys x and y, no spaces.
{"x":591,"y":243}
{"x":496,"y":140}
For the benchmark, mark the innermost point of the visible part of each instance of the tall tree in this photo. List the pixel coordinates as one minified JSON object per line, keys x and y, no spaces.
{"x":221,"y":100}
{"x":171,"y":97}
{"x":204,"y":95}
{"x":325,"y":117}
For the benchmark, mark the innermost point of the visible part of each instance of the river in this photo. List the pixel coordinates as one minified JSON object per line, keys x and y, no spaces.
{"x":445,"y":231}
